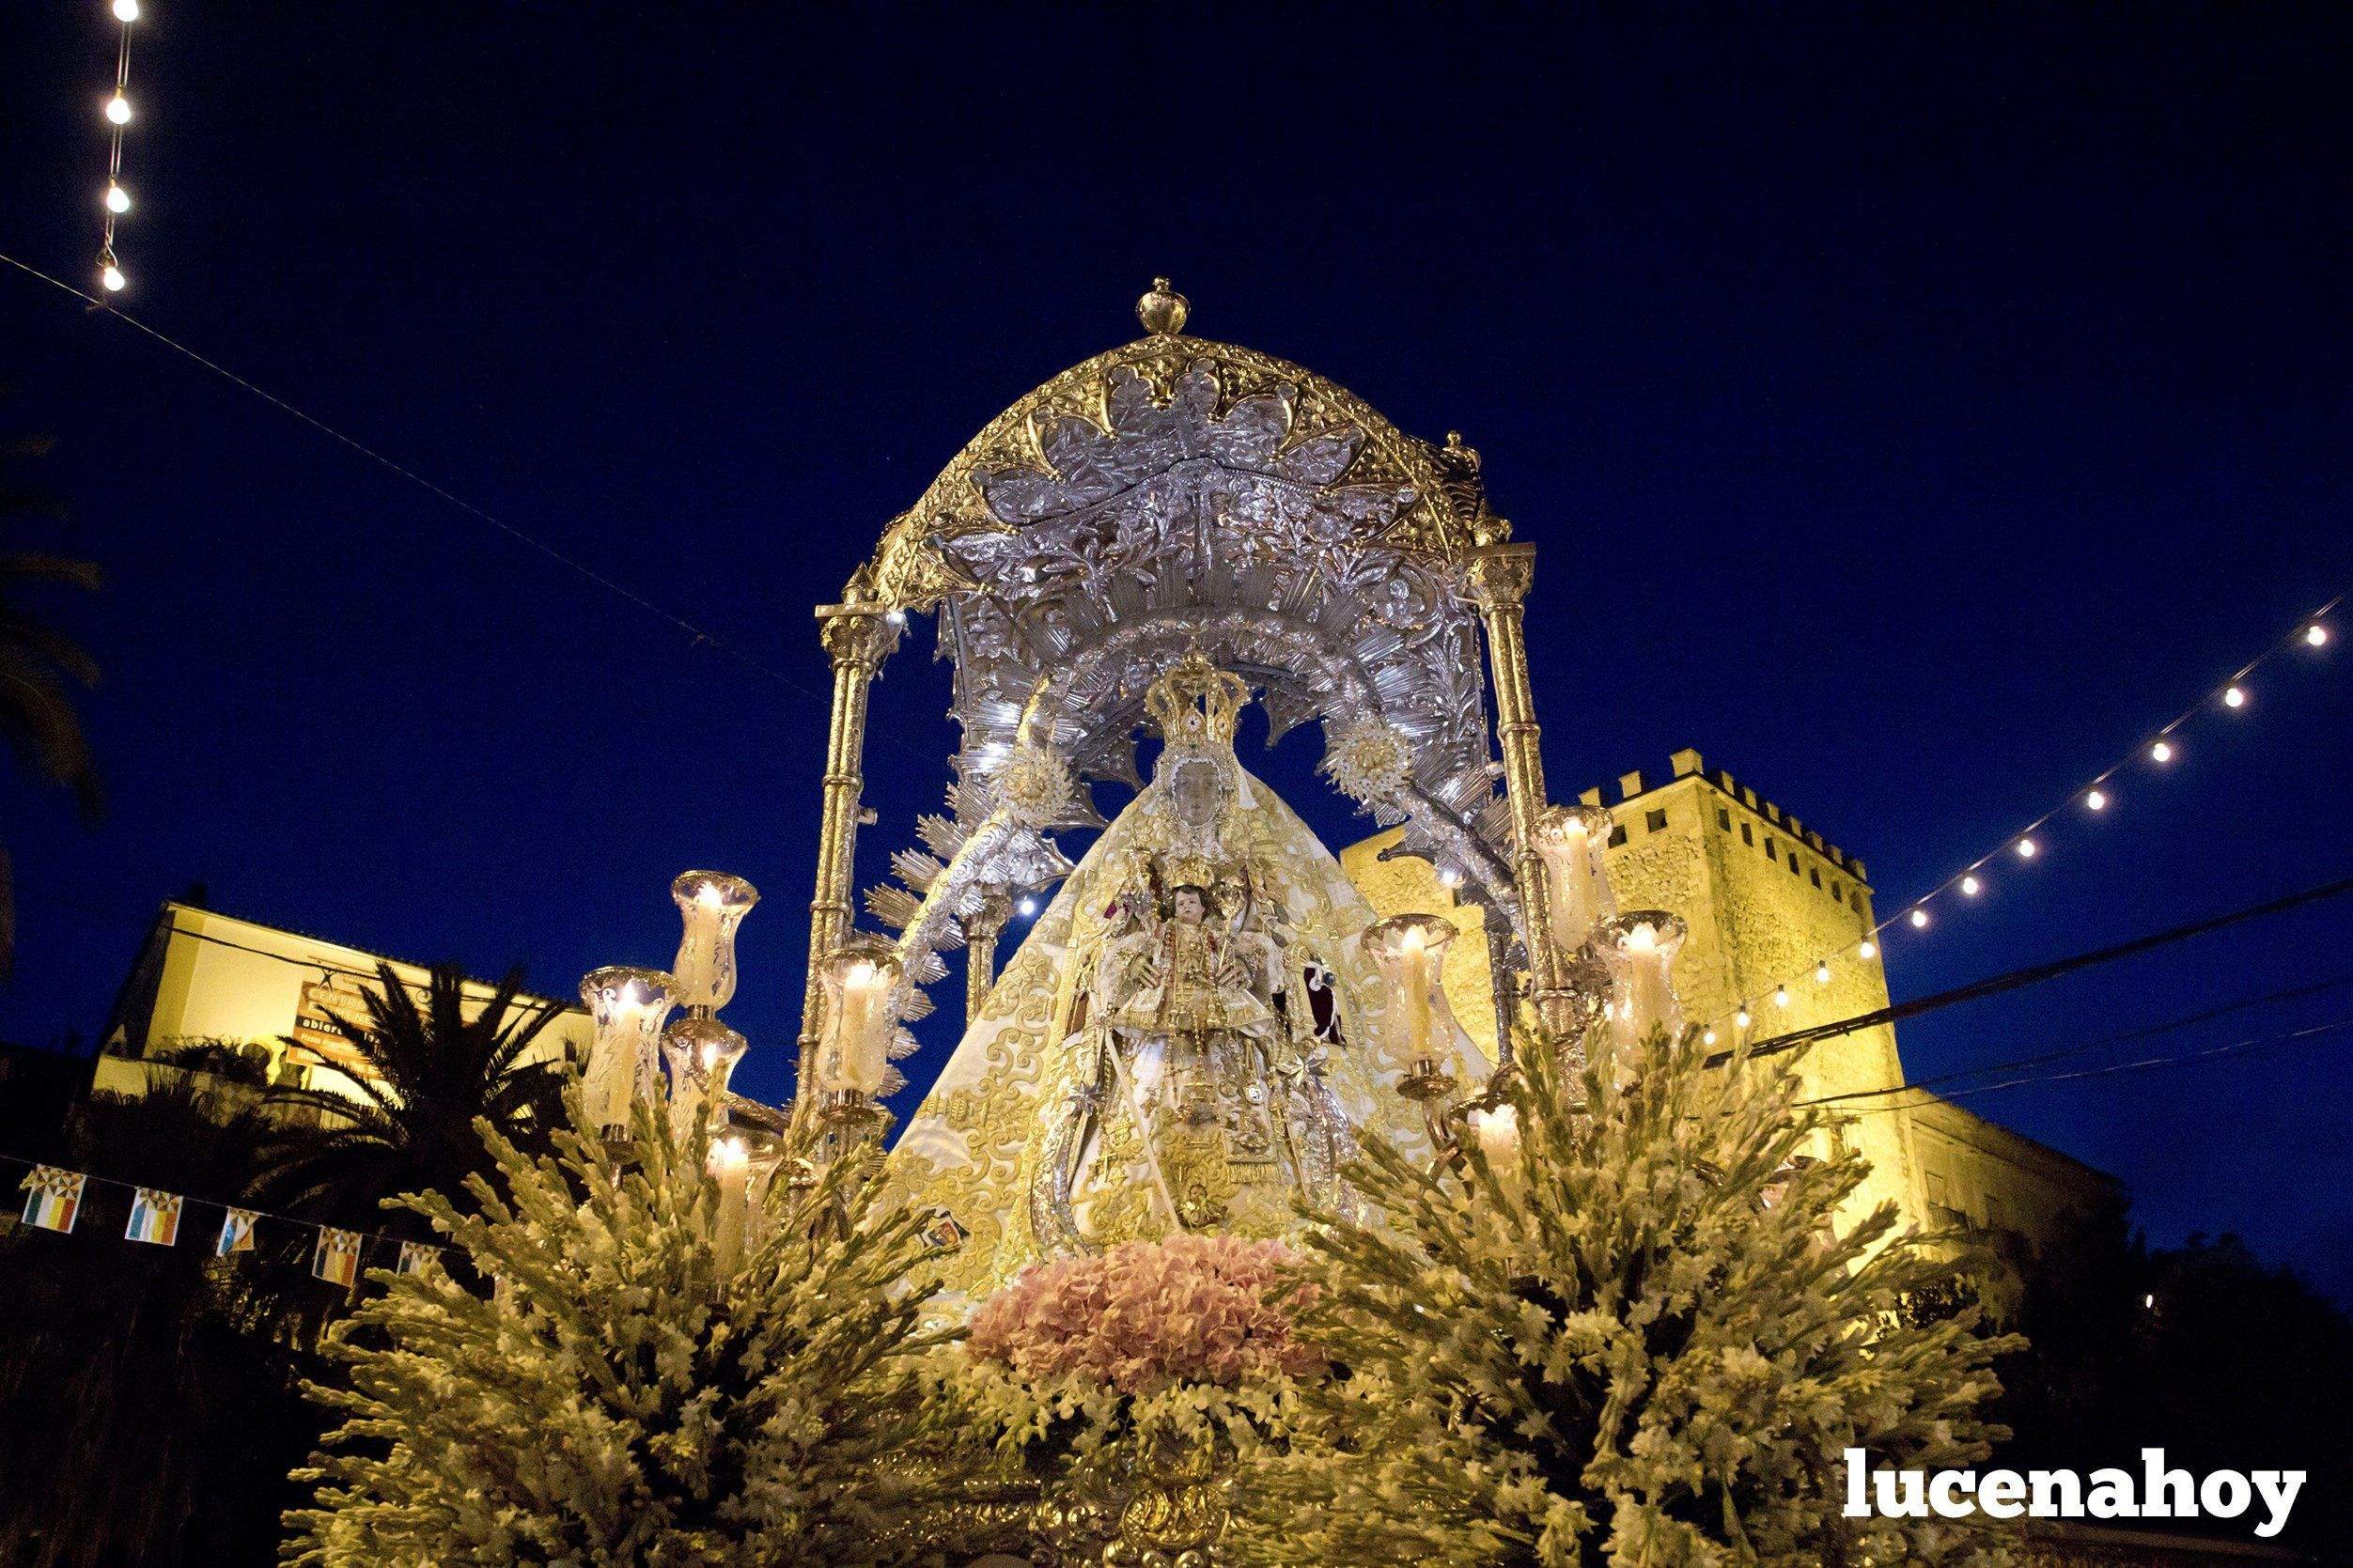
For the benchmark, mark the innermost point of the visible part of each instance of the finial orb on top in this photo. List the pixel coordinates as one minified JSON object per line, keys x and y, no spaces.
{"x":1163,"y":310}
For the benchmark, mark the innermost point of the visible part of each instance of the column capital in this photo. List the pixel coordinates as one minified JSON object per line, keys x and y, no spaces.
{"x":988,"y":916}
{"x":859,"y":636}
{"x":1500,"y":574}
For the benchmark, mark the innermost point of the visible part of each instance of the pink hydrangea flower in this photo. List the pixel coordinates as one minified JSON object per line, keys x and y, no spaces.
{"x":1189,"y":1310}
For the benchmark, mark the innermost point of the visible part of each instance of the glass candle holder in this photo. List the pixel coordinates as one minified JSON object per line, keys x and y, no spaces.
{"x":1639,"y":946}
{"x":627,"y":1006}
{"x":702,"y":1055}
{"x":1571,"y":842}
{"x":1496,"y":1130}
{"x":711,"y":903}
{"x":860,"y":978}
{"x":1410,"y":951}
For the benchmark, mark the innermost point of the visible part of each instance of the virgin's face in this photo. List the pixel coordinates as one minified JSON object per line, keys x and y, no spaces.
{"x":1196,"y":793}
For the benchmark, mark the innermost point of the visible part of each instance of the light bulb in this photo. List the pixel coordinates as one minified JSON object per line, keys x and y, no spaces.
{"x":2316,"y":635}
{"x":126,"y":10}
{"x":1708,"y":1038}
{"x":119,"y":109}
{"x":1919,"y":919}
{"x":1780,"y":996}
{"x":2026,"y":849}
{"x":1741,"y":1018}
{"x":2162,"y":751}
{"x":1867,"y":950}
{"x":117,"y":199}
{"x":1028,"y":906}
{"x":1822,"y":973}
{"x":2233,"y":698}
{"x":113,"y":280}
{"x":2096,"y":800}
{"x":1970,"y":886}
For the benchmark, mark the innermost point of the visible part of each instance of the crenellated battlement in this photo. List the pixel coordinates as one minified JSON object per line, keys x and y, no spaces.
{"x":1687,"y":764}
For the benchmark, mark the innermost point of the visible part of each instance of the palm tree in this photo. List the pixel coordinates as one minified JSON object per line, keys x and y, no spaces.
{"x":38,"y":667}
{"x":424,"y":1071}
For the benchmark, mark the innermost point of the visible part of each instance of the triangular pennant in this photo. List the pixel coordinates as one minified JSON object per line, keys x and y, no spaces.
{"x":53,"y":1197}
{"x":337,"y":1258}
{"x":154,"y":1218}
{"x":236,"y":1233}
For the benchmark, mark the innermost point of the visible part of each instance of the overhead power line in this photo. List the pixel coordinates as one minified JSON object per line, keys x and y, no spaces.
{"x":2293,"y":1037}
{"x":2108,"y":1042}
{"x":697,"y":633}
{"x":2034,"y":974}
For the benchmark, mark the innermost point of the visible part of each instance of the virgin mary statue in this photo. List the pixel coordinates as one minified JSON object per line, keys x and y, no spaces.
{"x":1187,"y":1040}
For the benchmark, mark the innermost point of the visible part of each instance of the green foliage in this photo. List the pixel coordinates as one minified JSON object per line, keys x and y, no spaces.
{"x":1639,"y":1343}
{"x":634,"y":1393}
{"x":436,"y":1069}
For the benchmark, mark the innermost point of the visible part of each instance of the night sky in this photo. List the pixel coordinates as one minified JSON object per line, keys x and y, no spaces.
{"x":1912,"y":409}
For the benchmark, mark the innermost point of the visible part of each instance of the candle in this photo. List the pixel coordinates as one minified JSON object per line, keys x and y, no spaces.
{"x":626,"y":1005}
{"x":1642,"y":946}
{"x":1409,"y":951}
{"x":1414,"y":951}
{"x":860,"y":978}
{"x":1497,"y":1131}
{"x":1570,"y":840}
{"x":859,"y":1070}
{"x":711,"y":903}
{"x":703,"y":1053}
{"x":731,"y":1168}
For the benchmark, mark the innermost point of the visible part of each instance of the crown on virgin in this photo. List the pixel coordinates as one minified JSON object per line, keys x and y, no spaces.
{"x":1196,"y":704}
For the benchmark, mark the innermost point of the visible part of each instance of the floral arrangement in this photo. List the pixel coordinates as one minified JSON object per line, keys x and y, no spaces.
{"x":1145,"y":1316}
{"x":1132,"y":1386}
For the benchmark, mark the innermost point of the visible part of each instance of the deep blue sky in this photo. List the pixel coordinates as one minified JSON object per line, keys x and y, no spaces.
{"x":1912,"y":408}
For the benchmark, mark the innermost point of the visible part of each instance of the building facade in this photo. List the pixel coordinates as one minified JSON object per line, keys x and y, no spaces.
{"x":203,"y":978}
{"x":1768,"y":901}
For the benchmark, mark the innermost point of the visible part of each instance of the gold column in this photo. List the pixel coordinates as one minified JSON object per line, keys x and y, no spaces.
{"x":1499,"y":576}
{"x":858,"y":637}
{"x":981,"y":929}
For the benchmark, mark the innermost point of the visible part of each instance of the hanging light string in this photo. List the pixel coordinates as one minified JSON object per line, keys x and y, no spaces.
{"x":2156,"y":749}
{"x":117,"y":200}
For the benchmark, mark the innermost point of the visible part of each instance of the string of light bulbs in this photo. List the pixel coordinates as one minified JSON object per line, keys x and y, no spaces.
{"x":117,"y":111}
{"x":2158,"y":748}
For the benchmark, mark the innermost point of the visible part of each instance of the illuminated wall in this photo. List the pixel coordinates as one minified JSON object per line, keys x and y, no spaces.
{"x":209,"y":976}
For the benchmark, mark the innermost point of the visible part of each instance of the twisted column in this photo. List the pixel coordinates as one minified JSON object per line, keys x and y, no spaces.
{"x":1499,"y":576}
{"x":857,"y":637}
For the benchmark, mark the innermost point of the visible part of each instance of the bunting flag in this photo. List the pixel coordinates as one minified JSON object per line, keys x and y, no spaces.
{"x":53,"y":1201}
{"x":237,"y":1234}
{"x":154,"y":1218}
{"x":337,"y":1258}
{"x":53,"y":1197}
